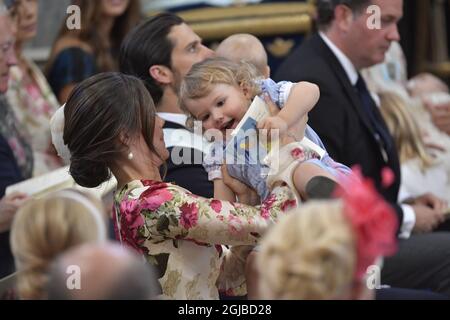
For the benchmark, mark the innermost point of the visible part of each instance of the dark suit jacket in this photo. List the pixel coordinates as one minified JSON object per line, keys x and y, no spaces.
{"x":9,"y":169}
{"x":190,"y":176}
{"x":339,"y":118}
{"x":9,"y":174}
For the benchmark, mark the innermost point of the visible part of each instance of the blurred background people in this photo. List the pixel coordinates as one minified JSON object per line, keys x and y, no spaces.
{"x":44,"y":228}
{"x":107,"y":272}
{"x":16,"y":159}
{"x":161,"y":51}
{"x":311,"y":255}
{"x":78,"y":54}
{"x":425,"y":96}
{"x":30,"y":95}
{"x":323,"y":250}
{"x":349,"y":122}
{"x":423,"y":169}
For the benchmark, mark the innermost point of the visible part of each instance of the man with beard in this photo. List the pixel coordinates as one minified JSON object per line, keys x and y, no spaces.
{"x":348,"y":121}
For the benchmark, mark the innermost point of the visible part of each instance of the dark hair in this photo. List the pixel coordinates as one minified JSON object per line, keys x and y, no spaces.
{"x":105,"y":50}
{"x":148,"y":45}
{"x":99,"y":111}
{"x":8,"y":3}
{"x":325,"y":9}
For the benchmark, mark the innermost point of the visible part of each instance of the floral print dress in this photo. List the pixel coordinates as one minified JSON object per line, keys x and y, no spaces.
{"x":34,"y":104}
{"x":10,"y":131}
{"x":199,"y":246}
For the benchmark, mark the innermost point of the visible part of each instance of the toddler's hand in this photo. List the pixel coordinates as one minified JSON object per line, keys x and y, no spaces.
{"x":272,"y":123}
{"x":244,"y":193}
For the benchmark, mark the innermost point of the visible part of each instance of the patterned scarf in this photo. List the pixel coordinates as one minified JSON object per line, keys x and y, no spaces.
{"x":10,"y":132}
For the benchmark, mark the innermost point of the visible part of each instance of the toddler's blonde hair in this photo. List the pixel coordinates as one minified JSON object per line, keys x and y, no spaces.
{"x":200,"y":80}
{"x":309,"y":254}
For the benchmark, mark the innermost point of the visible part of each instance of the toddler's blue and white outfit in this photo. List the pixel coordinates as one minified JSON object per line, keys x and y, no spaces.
{"x":254,"y":173}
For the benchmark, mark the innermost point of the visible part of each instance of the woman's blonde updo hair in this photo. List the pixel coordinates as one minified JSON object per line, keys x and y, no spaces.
{"x":44,"y":228}
{"x":308,"y":255}
{"x":199,"y":82}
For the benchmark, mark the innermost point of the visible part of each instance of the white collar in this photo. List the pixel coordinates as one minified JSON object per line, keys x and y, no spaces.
{"x":345,"y":62}
{"x":178,"y":118}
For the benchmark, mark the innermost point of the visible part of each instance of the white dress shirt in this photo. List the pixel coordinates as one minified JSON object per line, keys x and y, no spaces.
{"x":409,"y":217}
{"x":178,"y":118}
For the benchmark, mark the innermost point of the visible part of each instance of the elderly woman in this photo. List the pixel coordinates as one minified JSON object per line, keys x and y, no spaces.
{"x":30,"y":95}
{"x":16,"y":160}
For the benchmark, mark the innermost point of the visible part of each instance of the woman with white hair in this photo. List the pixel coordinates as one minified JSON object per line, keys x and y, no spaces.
{"x":16,"y":159}
{"x":29,"y":93}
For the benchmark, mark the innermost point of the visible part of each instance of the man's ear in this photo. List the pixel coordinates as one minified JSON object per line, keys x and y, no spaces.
{"x":161,"y":74}
{"x":344,"y":17}
{"x":267,"y":73}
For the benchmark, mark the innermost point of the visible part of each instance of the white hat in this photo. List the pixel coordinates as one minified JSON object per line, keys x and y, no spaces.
{"x":57,"y":131}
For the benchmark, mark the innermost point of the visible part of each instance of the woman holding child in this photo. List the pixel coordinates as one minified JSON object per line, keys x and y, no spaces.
{"x":185,"y":236}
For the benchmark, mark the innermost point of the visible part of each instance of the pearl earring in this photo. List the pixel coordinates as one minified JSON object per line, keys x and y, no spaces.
{"x":130,"y":156}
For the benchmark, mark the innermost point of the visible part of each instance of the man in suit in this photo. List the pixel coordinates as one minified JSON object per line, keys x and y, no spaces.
{"x":355,"y":34}
{"x":161,"y":51}
{"x":9,"y":169}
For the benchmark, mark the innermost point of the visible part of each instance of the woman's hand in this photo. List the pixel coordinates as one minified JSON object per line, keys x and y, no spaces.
{"x":244,"y":193}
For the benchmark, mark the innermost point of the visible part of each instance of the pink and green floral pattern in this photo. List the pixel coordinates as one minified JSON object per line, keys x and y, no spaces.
{"x":156,"y":219}
{"x":34,"y":104}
